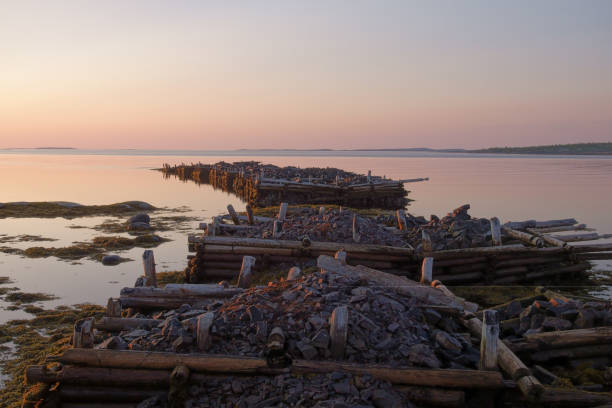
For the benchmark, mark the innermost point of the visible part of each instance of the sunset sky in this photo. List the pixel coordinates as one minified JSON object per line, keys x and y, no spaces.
{"x":304,"y":74}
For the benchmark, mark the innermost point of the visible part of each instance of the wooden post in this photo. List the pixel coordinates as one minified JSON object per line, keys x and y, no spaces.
{"x":276,"y":228}
{"x":148,"y":260}
{"x":232,"y":213}
{"x":369,"y":176}
{"x":113,"y":308}
{"x":83,"y":336}
{"x":282,"y":211}
{"x":488,"y":342}
{"x":204,"y":323}
{"x":427,"y":246}
{"x":276,"y":339}
{"x":356,"y":236}
{"x":321,"y":211}
{"x":338,"y":331}
{"x":250,"y":217}
{"x":246,"y":272}
{"x":341,"y":256}
{"x":427,"y":270}
{"x":294,"y":273}
{"x":496,"y":231}
{"x":401,"y":220}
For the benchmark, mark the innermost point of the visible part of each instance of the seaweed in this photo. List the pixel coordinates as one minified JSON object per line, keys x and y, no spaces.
{"x":164,"y":278}
{"x":70,"y":210}
{"x":272,"y":211}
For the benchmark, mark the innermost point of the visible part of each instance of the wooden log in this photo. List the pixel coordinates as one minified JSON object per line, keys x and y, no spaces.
{"x":230,"y":227}
{"x":437,"y":397}
{"x":338,"y":331}
{"x":468,"y":268}
{"x":541,"y":224}
{"x":426,"y":241}
{"x":204,"y":323}
{"x":117,"y":324}
{"x":250,"y":218}
{"x":83,"y":335}
{"x":527,"y":261}
{"x":570,"y":398}
{"x":579,"y":227}
{"x":113,"y":308}
{"x":356,"y":235}
{"x":524,"y":237}
{"x":427,"y":270}
{"x":592,"y":257}
{"x":397,"y":284}
{"x":276,"y":229}
{"x":583,"y":266}
{"x":496,"y":231}
{"x":148,"y":261}
{"x":571,"y":338}
{"x":246,"y":274}
{"x":451,"y":378}
{"x":232,"y":213}
{"x":294,"y":273}
{"x":461,"y":278}
{"x":74,"y":393}
{"x":183,"y":290}
{"x":275,"y":349}
{"x":550,"y":240}
{"x":488,"y":341}
{"x":572,"y":353}
{"x":282,"y":211}
{"x":143,"y":302}
{"x":152,"y":360}
{"x":517,"y":270}
{"x":341,"y":256}
{"x":581,"y":237}
{"x":582,"y":248}
{"x":529,"y":386}
{"x":401,"y":220}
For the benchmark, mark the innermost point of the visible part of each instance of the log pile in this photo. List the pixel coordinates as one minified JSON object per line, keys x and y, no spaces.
{"x":265,"y":185}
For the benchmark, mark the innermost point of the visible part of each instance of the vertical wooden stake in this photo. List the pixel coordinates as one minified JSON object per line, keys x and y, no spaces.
{"x":276,"y":228}
{"x":427,"y":270}
{"x":148,"y":261}
{"x":113,"y":308}
{"x":369,"y":176}
{"x":294,"y":273}
{"x":83,"y":336}
{"x":496,"y":231}
{"x":341,"y":256}
{"x":356,"y":236}
{"x":427,"y":246}
{"x":488,"y":342}
{"x":338,"y":331}
{"x":250,"y":217}
{"x":204,"y":323}
{"x":232,"y":213}
{"x":401,"y":220}
{"x":282,"y":211}
{"x":246,"y":272}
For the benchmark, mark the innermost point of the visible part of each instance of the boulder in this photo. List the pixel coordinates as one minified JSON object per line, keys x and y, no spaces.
{"x":139,"y":218}
{"x":111,"y":259}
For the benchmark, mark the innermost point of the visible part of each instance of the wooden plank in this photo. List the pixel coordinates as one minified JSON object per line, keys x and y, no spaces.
{"x":148,"y":261}
{"x":488,"y":341}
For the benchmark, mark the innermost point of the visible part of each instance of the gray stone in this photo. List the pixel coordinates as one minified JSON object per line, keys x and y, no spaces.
{"x":422,"y":354}
{"x":321,"y":339}
{"x":136,"y":333}
{"x":447,"y":341}
{"x":384,"y":399}
{"x":111,"y":259}
{"x":139,"y":218}
{"x":307,"y":350}
{"x":138,"y":226}
{"x":113,"y":343}
{"x":556,"y":323}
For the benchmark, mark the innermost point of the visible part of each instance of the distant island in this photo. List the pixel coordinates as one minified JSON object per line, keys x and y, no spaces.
{"x":574,"y":148}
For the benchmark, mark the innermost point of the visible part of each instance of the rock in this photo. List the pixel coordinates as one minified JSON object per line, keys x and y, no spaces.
{"x":585,"y":319}
{"x":136,"y":333}
{"x":432,"y":316}
{"x":140,"y":218}
{"x":422,"y":354}
{"x":111,"y":259}
{"x":321,"y":339}
{"x":447,"y":341}
{"x":307,"y":350}
{"x":113,"y":343}
{"x":384,"y":399}
{"x":138,"y":226}
{"x":556,"y":323}
{"x":513,"y":309}
{"x":254,"y":314}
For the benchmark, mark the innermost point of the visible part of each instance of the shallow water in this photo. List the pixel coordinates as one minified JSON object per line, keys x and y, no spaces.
{"x":509,"y":187}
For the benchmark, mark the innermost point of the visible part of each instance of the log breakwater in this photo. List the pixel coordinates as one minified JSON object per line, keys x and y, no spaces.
{"x":341,"y":334}
{"x":262,"y":185}
{"x":465,"y":252}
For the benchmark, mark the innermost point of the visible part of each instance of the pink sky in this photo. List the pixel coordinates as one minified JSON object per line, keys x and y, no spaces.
{"x":166,"y":75}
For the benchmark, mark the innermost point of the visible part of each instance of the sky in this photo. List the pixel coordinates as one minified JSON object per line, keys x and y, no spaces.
{"x":304,"y":74}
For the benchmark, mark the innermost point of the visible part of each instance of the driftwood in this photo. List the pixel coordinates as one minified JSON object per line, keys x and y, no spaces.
{"x":232,"y":213}
{"x":204,"y":323}
{"x":117,"y":324}
{"x":182,"y":290}
{"x":541,"y":224}
{"x":524,"y":237}
{"x":338,"y":331}
{"x":488,"y":341}
{"x":566,"y":338}
{"x":572,"y":353}
{"x":246,"y":273}
{"x":113,"y":308}
{"x":148,"y":261}
{"x":250,"y":217}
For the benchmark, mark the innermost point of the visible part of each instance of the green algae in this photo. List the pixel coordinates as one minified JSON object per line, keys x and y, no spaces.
{"x":32,"y":347}
{"x":70,"y":210}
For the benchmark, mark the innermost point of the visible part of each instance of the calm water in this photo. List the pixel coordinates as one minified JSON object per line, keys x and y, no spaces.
{"x":510,"y":187}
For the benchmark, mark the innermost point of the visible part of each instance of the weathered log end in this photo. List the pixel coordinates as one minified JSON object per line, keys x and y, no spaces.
{"x":338,"y":331}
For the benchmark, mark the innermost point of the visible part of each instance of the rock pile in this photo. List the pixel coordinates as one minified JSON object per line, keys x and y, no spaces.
{"x":382,"y":326}
{"x":337,"y":390}
{"x":553,"y":315}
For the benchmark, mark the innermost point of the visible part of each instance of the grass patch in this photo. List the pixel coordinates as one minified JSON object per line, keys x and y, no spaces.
{"x":70,"y":210}
{"x":32,"y":348}
{"x":163,"y":278}
{"x":487,"y":296}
